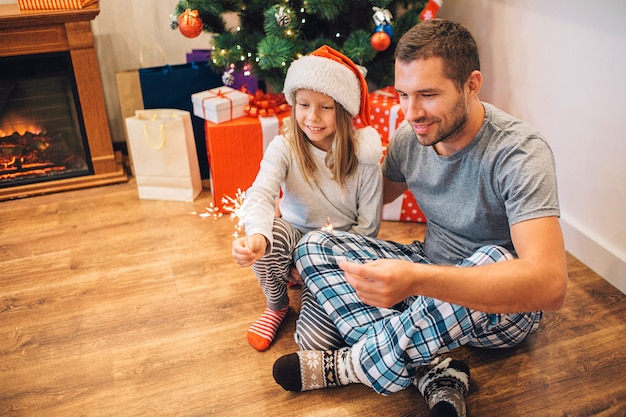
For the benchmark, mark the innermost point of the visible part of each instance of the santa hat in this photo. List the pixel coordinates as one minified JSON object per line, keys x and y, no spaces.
{"x":330,"y":72}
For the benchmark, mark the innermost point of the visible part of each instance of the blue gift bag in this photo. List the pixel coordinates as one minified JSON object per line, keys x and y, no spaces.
{"x":171,"y":87}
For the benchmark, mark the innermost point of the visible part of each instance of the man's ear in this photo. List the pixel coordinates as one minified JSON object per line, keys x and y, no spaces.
{"x":474,"y":82}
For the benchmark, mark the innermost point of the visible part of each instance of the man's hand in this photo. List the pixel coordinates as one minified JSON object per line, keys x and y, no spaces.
{"x":247,"y":250}
{"x":381,"y":283}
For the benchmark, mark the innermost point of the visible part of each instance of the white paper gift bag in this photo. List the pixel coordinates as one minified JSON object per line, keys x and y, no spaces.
{"x":163,"y":151}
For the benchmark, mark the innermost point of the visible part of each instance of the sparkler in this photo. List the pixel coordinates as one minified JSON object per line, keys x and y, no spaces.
{"x":329,"y":228}
{"x":210,"y":211}
{"x":234,"y":206}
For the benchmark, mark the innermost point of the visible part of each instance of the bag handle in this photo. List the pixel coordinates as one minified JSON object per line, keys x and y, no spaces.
{"x":161,"y":144}
{"x":154,"y":47}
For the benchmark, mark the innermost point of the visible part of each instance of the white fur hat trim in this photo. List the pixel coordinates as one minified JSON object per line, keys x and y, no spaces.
{"x":324,"y":76}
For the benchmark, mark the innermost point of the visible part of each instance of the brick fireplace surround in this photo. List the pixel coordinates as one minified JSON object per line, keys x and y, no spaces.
{"x":25,"y":32}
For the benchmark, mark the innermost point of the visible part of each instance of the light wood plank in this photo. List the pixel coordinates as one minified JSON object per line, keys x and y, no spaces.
{"x":115,"y":306}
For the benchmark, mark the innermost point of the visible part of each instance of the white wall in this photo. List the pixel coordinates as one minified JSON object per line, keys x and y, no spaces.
{"x":561,"y":65}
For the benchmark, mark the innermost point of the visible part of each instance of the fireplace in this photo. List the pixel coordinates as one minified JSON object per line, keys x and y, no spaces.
{"x":54,"y":133}
{"x":42,"y":136}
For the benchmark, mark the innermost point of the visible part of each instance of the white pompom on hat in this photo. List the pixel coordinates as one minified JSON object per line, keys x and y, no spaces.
{"x":329,"y":72}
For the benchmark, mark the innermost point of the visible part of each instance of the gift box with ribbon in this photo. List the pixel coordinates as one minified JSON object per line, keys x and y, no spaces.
{"x":235,"y":150}
{"x":385,"y":117}
{"x":263,"y":105}
{"x":220,"y":104}
{"x":385,"y":112}
{"x":404,"y":209}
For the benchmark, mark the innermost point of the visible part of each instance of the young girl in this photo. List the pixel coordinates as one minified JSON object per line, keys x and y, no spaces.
{"x":327,"y":172}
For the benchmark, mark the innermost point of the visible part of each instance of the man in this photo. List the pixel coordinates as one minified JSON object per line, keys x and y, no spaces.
{"x":492,"y":260}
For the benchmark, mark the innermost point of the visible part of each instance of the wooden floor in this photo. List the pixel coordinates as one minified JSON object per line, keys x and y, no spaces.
{"x":115,"y":306}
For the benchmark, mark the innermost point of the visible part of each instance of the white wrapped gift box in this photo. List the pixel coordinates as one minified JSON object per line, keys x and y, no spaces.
{"x":220,"y":104}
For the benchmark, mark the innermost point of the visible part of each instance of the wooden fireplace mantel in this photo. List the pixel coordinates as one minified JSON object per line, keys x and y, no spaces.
{"x":25,"y":32}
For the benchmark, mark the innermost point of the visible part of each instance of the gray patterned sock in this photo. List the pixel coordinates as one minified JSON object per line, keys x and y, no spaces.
{"x":444,"y":384}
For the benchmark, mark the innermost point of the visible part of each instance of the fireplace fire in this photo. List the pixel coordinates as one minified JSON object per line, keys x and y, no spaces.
{"x":54,"y":132}
{"x":32,"y":154}
{"x":41,"y":137}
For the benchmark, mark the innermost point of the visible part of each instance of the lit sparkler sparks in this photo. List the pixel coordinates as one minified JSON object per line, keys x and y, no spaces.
{"x":210,"y":211}
{"x":329,"y":228}
{"x":234,"y":206}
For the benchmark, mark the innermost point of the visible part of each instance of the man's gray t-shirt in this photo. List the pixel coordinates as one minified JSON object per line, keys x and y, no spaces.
{"x":470,"y":199}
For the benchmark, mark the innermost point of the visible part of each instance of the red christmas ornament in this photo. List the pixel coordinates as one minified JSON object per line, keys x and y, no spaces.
{"x":189,"y":23}
{"x":380,"y":41}
{"x":431,"y":9}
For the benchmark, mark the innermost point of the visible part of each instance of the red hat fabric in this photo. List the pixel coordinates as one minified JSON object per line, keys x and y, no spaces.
{"x":330,"y":72}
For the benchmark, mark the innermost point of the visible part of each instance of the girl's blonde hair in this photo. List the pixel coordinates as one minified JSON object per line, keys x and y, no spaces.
{"x":341,"y":159}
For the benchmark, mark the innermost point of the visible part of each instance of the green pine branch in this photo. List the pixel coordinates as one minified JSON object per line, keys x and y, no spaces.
{"x":269,"y":45}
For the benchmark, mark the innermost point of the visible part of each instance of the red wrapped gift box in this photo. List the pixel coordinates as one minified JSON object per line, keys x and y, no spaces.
{"x":235,"y":149}
{"x":404,"y":209}
{"x":385,"y":112}
{"x":385,"y":117}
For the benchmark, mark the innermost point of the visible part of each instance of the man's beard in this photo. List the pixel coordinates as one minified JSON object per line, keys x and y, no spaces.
{"x":444,"y":133}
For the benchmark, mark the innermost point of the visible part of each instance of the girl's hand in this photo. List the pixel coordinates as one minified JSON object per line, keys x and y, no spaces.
{"x":247,"y":250}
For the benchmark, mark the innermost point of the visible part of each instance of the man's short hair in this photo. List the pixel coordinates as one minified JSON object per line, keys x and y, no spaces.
{"x":443,"y":39}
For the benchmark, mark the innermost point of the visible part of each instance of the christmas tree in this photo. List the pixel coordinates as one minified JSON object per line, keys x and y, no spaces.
{"x":274,"y":33}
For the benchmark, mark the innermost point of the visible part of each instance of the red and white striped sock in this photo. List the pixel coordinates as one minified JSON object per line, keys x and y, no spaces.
{"x":263,"y":330}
